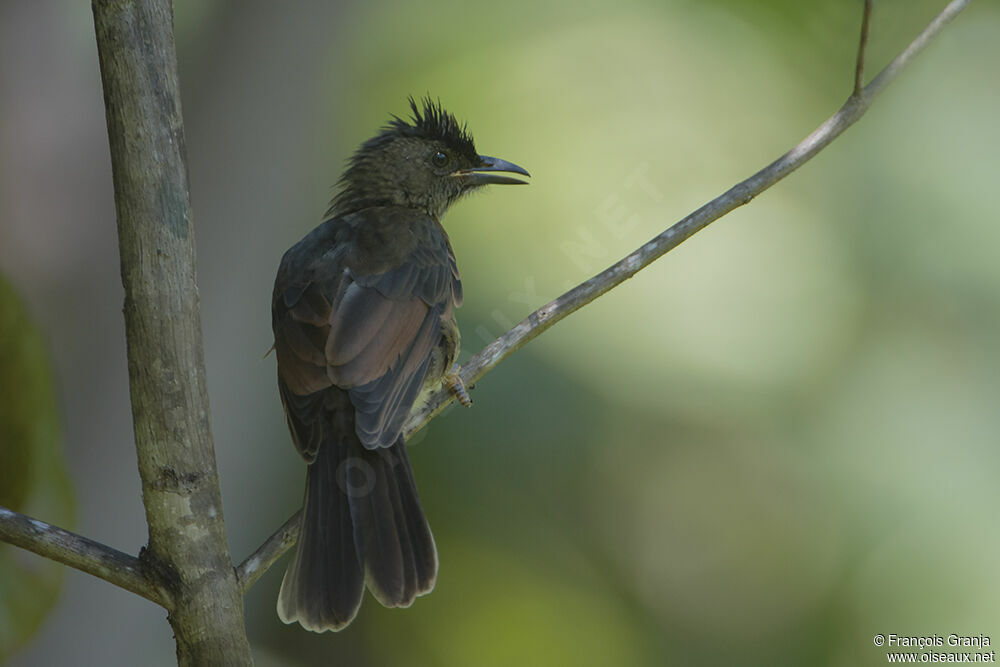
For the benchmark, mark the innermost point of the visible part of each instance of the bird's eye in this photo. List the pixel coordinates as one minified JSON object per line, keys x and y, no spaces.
{"x":440,"y":159}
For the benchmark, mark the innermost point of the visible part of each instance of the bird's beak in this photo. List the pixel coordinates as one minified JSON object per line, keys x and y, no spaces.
{"x":487,"y":172}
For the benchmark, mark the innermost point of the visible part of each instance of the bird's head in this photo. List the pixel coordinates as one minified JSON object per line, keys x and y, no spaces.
{"x":426,"y":163}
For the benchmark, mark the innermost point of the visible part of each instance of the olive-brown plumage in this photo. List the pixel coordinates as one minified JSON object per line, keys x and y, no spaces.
{"x":363,"y":313}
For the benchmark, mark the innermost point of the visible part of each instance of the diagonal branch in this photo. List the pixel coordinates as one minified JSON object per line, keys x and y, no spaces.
{"x":578,"y":297}
{"x":737,"y":196}
{"x":260,"y":561}
{"x":80,"y":552}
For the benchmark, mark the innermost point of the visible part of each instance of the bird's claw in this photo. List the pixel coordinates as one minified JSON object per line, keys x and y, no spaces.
{"x":457,"y":387}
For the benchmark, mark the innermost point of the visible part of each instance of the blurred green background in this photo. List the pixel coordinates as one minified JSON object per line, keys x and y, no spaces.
{"x":776,"y":442}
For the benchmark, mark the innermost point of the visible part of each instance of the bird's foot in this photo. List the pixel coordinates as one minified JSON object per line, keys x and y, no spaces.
{"x":457,"y":387}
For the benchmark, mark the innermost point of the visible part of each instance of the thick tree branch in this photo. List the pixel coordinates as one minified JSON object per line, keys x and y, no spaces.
{"x":188,"y":553}
{"x":578,"y":297}
{"x":79,"y":552}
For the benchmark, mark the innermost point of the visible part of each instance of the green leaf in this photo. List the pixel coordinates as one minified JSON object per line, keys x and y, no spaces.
{"x":33,"y":475}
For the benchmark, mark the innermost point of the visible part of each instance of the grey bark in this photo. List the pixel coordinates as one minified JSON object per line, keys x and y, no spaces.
{"x":187,"y":555}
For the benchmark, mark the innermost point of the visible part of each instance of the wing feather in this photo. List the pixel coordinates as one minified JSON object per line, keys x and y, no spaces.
{"x":362,"y":317}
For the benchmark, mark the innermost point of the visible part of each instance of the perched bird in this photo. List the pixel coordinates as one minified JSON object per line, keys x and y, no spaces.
{"x":363,"y":313}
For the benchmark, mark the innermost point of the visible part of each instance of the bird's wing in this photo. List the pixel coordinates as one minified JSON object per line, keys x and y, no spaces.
{"x":363,"y":319}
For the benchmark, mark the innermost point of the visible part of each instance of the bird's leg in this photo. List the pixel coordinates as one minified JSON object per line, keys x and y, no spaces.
{"x":457,"y":386}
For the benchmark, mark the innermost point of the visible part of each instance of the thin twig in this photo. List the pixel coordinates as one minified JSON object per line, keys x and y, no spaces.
{"x":886,"y":76}
{"x":260,"y":561}
{"x":738,"y":195}
{"x":859,"y":70}
{"x":578,"y":297}
{"x":79,"y":552}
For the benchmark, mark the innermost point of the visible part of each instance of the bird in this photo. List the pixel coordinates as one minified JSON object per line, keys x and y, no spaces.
{"x":363,"y":315}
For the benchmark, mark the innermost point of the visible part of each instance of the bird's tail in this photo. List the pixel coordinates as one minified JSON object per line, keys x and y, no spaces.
{"x":361,"y":524}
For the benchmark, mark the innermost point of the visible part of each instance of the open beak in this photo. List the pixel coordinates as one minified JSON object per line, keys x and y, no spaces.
{"x":488,"y":172}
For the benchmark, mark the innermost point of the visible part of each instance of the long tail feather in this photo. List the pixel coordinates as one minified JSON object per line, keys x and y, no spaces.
{"x":362,"y":524}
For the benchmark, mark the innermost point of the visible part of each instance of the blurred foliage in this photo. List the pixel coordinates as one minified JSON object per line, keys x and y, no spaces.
{"x":33,"y":477}
{"x":767,"y":447}
{"x":772,"y":444}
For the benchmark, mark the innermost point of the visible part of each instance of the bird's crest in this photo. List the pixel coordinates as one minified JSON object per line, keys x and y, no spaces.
{"x":432,"y":122}
{"x":429,"y":121}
